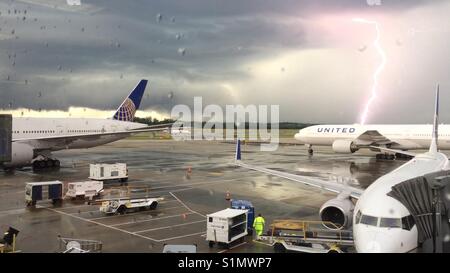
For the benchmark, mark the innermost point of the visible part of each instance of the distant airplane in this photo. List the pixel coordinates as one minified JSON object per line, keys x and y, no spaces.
{"x":381,"y":223}
{"x":378,"y":137}
{"x":33,"y":139}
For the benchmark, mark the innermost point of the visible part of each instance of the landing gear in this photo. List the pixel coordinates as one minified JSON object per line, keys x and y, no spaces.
{"x":310,"y":150}
{"x":385,"y":157}
{"x":403,"y":156}
{"x":46,"y":164}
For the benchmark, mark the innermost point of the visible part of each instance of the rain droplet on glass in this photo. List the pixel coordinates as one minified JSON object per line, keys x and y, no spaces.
{"x":182,"y":51}
{"x":158,"y":17}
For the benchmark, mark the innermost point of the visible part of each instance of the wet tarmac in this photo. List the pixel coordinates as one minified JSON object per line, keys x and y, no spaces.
{"x":160,"y":168}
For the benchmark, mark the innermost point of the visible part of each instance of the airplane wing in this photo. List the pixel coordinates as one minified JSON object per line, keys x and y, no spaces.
{"x":372,"y":137}
{"x":74,"y":137}
{"x":310,"y":181}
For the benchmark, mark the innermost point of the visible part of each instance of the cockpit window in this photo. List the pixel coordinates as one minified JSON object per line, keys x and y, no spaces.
{"x":391,"y":222}
{"x":358,"y":217}
{"x":408,"y":222}
{"x":369,"y":220}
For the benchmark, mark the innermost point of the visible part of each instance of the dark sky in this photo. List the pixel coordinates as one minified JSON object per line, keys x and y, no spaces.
{"x":307,"y":56}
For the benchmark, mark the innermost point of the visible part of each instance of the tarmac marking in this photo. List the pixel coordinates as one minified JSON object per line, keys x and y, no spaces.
{"x":233,"y":247}
{"x":171,"y":226}
{"x":153,"y":219}
{"x":121,"y":215}
{"x":188,"y":208}
{"x":100,"y":224}
{"x":71,"y":207}
{"x":178,"y":237}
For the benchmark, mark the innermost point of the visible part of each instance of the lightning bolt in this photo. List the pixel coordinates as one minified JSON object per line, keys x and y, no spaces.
{"x":380,"y":68}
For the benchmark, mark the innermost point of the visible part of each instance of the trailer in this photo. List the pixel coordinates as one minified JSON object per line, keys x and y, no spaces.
{"x":35,"y":191}
{"x":125,"y":205}
{"x":307,"y":237}
{"x":84,"y":189}
{"x":226,"y":226}
{"x":108,"y":172}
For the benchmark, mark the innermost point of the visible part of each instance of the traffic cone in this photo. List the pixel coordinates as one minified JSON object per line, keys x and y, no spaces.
{"x":228,"y":196}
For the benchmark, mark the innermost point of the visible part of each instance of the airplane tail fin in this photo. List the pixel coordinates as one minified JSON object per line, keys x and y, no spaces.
{"x":434,"y":138}
{"x":238,"y":150}
{"x":129,"y":106}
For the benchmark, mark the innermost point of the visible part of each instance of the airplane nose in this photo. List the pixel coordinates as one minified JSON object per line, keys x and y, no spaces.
{"x":299,"y":137}
{"x":374,"y":242}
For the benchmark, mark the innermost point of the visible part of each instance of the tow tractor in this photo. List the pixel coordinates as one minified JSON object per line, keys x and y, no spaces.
{"x":308,"y":236}
{"x":124,"y":205}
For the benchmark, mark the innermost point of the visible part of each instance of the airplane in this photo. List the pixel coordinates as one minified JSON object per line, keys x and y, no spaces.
{"x":34,"y":139}
{"x":351,"y":138}
{"x":380,"y":223}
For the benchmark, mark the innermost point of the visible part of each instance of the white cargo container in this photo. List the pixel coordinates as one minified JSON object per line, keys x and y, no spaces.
{"x":226,"y":226}
{"x":84,"y":189}
{"x":104,"y":172}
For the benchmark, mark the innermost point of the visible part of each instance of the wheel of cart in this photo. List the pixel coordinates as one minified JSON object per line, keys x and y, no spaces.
{"x":153,"y":205}
{"x":71,"y":245}
{"x":122,"y":210}
{"x":279,"y":248}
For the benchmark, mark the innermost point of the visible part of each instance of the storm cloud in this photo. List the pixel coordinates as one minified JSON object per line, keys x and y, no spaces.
{"x":302,"y":55}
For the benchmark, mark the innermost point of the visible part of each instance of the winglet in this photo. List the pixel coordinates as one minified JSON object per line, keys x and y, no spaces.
{"x":434,"y":139}
{"x":238,"y":150}
{"x":129,"y":106}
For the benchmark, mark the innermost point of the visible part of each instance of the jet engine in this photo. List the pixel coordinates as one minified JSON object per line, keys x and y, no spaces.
{"x":337,"y":213}
{"x":344,"y":146}
{"x":21,"y":155}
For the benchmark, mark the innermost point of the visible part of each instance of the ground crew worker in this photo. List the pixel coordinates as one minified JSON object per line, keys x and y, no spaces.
{"x":258,"y":225}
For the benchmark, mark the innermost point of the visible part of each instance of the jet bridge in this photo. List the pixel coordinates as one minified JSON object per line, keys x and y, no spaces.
{"x":427,"y":198}
{"x":5,"y":138}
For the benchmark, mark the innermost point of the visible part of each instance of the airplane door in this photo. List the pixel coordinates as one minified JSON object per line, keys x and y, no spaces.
{"x":59,"y":129}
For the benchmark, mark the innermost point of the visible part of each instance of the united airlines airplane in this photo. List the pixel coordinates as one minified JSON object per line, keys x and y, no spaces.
{"x":380,"y":222}
{"x":351,"y":138}
{"x":34,"y":139}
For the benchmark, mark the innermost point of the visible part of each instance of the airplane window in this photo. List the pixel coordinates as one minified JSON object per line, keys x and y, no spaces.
{"x":358,"y":217}
{"x":408,"y":222}
{"x":369,"y":220}
{"x":391,"y":222}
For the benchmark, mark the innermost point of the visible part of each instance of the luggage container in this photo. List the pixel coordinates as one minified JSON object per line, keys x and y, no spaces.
{"x":84,"y":189}
{"x":36,"y":191}
{"x":107,"y":172}
{"x":226,"y":226}
{"x":246,"y":205}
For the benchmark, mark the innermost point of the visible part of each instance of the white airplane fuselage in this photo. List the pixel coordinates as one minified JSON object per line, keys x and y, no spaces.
{"x":406,"y":137}
{"x":24,"y":128}
{"x":383,"y":228}
{"x":26,"y":133}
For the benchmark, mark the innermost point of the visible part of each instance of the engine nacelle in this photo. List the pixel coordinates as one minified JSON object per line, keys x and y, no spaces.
{"x":344,"y":146}
{"x":21,"y":155}
{"x":338,"y":211}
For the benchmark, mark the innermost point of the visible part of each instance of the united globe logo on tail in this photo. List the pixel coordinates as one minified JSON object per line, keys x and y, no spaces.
{"x":131,"y":103}
{"x":126,"y":111}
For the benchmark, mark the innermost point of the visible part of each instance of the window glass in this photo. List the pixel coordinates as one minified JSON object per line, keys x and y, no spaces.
{"x":391,"y":222}
{"x":358,"y":217}
{"x":369,"y":220}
